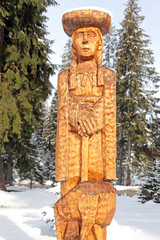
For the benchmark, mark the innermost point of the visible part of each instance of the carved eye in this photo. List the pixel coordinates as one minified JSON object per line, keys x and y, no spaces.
{"x":79,"y":35}
{"x":91,"y":34}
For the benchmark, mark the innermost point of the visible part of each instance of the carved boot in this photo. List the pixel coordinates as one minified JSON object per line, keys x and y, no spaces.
{"x":72,"y":231}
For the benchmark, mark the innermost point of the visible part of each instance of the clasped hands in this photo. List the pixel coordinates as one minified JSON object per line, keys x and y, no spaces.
{"x":87,"y":124}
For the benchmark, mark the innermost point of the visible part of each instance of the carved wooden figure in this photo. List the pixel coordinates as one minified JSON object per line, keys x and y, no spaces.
{"x":86,"y":132}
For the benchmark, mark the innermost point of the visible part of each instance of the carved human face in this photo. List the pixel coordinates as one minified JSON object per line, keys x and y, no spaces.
{"x":86,"y":43}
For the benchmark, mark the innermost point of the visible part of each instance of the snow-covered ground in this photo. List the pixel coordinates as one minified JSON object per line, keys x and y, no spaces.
{"x":21,"y":216}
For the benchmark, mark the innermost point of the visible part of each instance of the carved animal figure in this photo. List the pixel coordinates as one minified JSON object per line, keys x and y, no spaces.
{"x":86,"y":208}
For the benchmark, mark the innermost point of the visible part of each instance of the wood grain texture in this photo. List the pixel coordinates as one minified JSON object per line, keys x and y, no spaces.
{"x":102,"y":144}
{"x":84,"y":18}
{"x":87,"y":205}
{"x":86,"y":135}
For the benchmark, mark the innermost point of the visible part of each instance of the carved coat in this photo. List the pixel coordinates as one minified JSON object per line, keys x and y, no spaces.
{"x":102,"y":145}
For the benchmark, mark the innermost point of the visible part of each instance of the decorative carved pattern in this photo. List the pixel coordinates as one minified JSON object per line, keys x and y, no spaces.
{"x":86,"y":132}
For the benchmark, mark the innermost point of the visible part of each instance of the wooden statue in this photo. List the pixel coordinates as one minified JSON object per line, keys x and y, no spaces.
{"x":86,"y":131}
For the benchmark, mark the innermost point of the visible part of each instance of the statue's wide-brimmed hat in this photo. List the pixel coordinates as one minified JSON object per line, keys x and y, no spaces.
{"x":86,"y":17}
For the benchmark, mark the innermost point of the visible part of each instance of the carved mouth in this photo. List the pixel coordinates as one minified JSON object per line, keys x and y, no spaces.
{"x":86,"y":49}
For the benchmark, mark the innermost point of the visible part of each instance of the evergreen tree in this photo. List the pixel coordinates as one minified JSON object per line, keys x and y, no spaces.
{"x":38,"y":165}
{"x":28,"y":162}
{"x":150,"y":188}
{"x":50,"y":119}
{"x":41,"y":155}
{"x":9,"y":173}
{"x":135,"y":76}
{"x":67,"y":55}
{"x":49,"y":135}
{"x":45,"y":150}
{"x":110,"y":44}
{"x":24,"y":70}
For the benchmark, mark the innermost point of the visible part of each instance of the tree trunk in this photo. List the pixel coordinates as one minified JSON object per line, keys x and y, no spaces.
{"x":9,"y":176}
{"x":1,"y":47}
{"x":120,"y":171}
{"x":2,"y":175}
{"x":128,"y":181}
{"x":31,"y":183}
{"x":121,"y":156}
{"x":120,"y":162}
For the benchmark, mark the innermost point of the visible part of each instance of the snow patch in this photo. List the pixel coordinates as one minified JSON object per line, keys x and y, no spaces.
{"x":31,"y":209}
{"x":48,"y":183}
{"x":10,"y":200}
{"x":56,"y":189}
{"x":120,"y":187}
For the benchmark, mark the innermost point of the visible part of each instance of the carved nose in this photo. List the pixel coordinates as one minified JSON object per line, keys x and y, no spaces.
{"x":85,"y":41}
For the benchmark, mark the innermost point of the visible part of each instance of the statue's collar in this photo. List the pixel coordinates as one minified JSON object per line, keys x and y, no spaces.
{"x":73,"y":78}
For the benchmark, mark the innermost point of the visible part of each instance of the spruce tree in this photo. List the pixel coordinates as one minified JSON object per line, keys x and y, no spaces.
{"x":110,"y":44}
{"x":67,"y":55}
{"x":134,"y":81}
{"x":41,"y":155}
{"x":45,"y":149}
{"x":49,"y":135}
{"x":28,"y":161}
{"x":150,"y":187}
{"x":24,"y":70}
{"x":50,"y":119}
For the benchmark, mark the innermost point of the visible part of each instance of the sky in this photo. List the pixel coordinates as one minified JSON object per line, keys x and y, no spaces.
{"x":151,"y":24}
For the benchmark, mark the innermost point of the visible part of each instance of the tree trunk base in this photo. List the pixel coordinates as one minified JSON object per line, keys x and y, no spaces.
{"x":2,"y":185}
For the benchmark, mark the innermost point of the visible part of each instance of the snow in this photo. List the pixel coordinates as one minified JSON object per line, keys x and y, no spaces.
{"x":24,"y":213}
{"x":120,"y":187}
{"x":21,"y":213}
{"x":48,"y":183}
{"x":41,"y":40}
{"x":113,"y":69}
{"x":136,"y":220}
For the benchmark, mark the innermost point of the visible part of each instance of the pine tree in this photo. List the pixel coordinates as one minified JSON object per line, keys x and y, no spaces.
{"x":67,"y":55}
{"x":41,"y":155}
{"x":28,"y":162}
{"x":24,"y":70}
{"x":135,"y":78}
{"x":150,"y":188}
{"x":49,"y":135}
{"x":50,"y":119}
{"x":110,"y":44}
{"x":38,"y":164}
{"x":45,"y":151}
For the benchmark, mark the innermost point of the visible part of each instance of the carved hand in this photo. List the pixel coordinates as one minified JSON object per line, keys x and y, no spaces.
{"x":87,"y":124}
